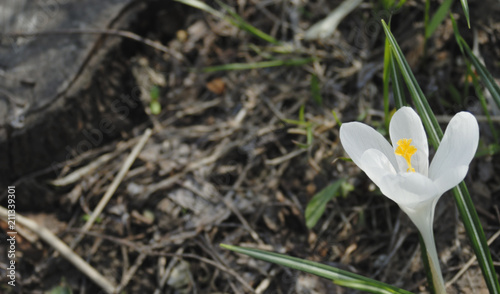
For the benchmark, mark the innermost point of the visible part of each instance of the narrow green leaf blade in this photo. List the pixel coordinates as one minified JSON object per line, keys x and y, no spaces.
{"x":482,"y":99}
{"x":316,"y":207}
{"x":476,"y":236}
{"x":485,"y":75}
{"x":388,"y":4}
{"x":316,"y":268}
{"x":363,"y":286}
{"x":262,"y":64}
{"x":242,"y":24}
{"x":397,"y":84}
{"x":235,"y":19}
{"x":386,"y":80}
{"x":316,"y":90}
{"x":456,"y":32}
{"x":437,"y":18}
{"x":465,"y":7}
{"x":428,"y":119}
{"x":462,"y":198}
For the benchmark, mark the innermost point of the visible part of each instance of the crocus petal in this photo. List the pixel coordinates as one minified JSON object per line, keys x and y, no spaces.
{"x":452,"y":159}
{"x":357,"y":137}
{"x":376,"y":165}
{"x":406,"y":124}
{"x":409,"y":190}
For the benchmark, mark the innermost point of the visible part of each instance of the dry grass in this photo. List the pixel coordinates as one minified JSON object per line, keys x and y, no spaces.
{"x":222,"y":167}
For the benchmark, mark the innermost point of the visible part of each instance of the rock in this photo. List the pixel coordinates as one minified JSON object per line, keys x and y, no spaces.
{"x":62,"y":94}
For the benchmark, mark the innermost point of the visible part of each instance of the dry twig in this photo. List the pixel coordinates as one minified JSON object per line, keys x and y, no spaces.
{"x":63,"y":249}
{"x":114,"y":185}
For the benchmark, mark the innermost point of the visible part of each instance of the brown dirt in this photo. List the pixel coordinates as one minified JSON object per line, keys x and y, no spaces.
{"x":223,"y":166}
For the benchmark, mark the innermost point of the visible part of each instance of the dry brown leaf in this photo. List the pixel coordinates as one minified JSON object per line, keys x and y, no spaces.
{"x":216,"y":86}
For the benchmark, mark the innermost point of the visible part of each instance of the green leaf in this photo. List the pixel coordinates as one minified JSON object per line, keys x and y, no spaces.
{"x":456,"y":32}
{"x":297,"y":122}
{"x":400,"y":4}
{"x":426,"y":16}
{"x":386,"y":79}
{"x":255,"y":65}
{"x":63,"y":288}
{"x":428,"y":119}
{"x":154,"y":104}
{"x":391,"y":73}
{"x":485,"y":75}
{"x":316,"y":90}
{"x":322,"y":270}
{"x":60,"y":290}
{"x":490,"y":150}
{"x":487,"y":79}
{"x":155,"y":107}
{"x":363,"y":286}
{"x":391,"y":4}
{"x":388,"y":4}
{"x":462,"y":198}
{"x":482,"y":99}
{"x":397,"y":84}
{"x":234,"y":18}
{"x":154,"y":93}
{"x":309,"y":132}
{"x":465,"y":7}
{"x":242,"y":24}
{"x":476,"y":236}
{"x":336,"y":117}
{"x":302,"y":112}
{"x":437,"y":18}
{"x":316,"y":207}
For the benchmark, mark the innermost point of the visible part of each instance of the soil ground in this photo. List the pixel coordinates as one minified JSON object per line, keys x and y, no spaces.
{"x":226,"y":164}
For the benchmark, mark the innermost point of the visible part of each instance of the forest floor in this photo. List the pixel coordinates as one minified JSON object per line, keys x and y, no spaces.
{"x":236,"y":155}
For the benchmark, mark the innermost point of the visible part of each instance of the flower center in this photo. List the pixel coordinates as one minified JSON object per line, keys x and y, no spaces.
{"x":406,"y":150}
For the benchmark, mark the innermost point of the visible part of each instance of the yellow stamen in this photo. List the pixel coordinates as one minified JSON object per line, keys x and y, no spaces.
{"x":406,"y":150}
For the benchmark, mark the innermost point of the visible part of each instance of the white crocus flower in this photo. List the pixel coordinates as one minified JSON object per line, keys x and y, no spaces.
{"x":402,"y":171}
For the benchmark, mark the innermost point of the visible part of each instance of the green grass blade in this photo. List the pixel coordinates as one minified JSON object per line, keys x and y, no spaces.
{"x":392,"y":73}
{"x":476,"y":236}
{"x":400,"y":4}
{"x":429,"y":120}
{"x":462,"y":198}
{"x":336,"y":117}
{"x":316,"y":207}
{"x":397,"y":84}
{"x":456,"y":32}
{"x":242,"y":24}
{"x":482,"y":99}
{"x":437,"y":18}
{"x":465,"y":7}
{"x":388,"y":4}
{"x":315,"y":268}
{"x":386,"y":79}
{"x":485,"y":75}
{"x":316,"y":90}
{"x":363,"y":286}
{"x":426,"y":15}
{"x":263,"y":64}
{"x":235,"y":19}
